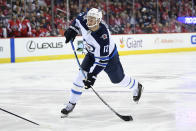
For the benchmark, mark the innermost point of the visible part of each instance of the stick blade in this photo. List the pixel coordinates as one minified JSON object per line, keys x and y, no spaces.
{"x":64,"y":116}
{"x":126,"y":118}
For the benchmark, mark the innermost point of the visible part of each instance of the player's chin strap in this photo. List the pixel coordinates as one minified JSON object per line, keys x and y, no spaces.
{"x":91,"y":26}
{"x":125,"y":118}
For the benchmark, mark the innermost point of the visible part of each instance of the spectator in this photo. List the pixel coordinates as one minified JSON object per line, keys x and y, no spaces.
{"x":112,"y":20}
{"x":41,"y":32}
{"x":25,"y":26}
{"x":33,"y":31}
{"x":61,"y":30}
{"x":127,"y":29}
{"x":14,"y":27}
{"x":33,"y":21}
{"x":3,"y":31}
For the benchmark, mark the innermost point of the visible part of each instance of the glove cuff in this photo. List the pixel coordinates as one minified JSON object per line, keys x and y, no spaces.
{"x":76,"y":30}
{"x":94,"y":77}
{"x":90,"y":75}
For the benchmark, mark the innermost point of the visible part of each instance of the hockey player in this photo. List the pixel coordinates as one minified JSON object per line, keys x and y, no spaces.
{"x":102,"y":55}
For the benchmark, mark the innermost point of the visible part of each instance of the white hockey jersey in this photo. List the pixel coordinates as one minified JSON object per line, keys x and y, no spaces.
{"x":99,"y":42}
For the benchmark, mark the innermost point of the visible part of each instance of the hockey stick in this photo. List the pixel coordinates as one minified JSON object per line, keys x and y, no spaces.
{"x":19,"y":117}
{"x":125,"y":118}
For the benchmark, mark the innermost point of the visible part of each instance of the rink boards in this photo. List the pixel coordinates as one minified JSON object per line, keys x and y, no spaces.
{"x":53,"y":48}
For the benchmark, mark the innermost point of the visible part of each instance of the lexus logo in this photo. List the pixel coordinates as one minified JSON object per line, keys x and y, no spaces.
{"x":31,"y":46}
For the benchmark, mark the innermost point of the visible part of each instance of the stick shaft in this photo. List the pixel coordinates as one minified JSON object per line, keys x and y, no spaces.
{"x":19,"y":116}
{"x":92,"y":87}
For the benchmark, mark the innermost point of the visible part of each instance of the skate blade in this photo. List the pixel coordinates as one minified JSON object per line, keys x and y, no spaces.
{"x":64,"y":116}
{"x":140,"y":96}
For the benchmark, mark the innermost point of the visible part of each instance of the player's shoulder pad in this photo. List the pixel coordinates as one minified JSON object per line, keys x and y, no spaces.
{"x":103,"y":22}
{"x":103,"y":31}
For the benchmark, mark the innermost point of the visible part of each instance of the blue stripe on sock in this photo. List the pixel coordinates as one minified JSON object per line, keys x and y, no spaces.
{"x":129,"y":82}
{"x":76,"y":92}
{"x":133,"y":84}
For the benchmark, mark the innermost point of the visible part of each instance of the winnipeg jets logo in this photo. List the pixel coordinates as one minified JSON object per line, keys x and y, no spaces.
{"x":89,"y":47}
{"x":104,"y":36}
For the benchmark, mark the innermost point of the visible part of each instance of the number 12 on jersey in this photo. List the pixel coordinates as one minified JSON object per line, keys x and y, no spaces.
{"x":106,"y":49}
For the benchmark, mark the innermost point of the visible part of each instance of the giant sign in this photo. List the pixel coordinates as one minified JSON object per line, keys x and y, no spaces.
{"x":155,"y":41}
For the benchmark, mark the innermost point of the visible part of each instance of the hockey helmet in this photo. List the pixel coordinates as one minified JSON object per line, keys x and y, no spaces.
{"x":96,"y":13}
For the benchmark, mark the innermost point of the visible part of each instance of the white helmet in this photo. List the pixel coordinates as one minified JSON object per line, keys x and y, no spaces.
{"x":94,"y":13}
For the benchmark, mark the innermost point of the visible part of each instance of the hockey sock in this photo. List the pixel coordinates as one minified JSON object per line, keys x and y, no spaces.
{"x":130,"y":83}
{"x":74,"y":98}
{"x":77,"y":88}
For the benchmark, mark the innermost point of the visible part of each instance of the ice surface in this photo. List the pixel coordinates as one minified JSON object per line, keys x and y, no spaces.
{"x":38,"y":91}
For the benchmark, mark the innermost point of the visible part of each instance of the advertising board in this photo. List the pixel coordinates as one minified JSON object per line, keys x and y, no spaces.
{"x":5,"y":50}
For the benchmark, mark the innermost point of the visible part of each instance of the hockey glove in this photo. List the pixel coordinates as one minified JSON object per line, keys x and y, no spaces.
{"x":70,"y":34}
{"x":89,"y":82}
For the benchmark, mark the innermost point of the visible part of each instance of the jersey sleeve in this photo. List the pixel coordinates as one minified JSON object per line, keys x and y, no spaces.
{"x":74,"y":24}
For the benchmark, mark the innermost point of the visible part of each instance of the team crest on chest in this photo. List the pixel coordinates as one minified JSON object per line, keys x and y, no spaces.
{"x":104,"y":36}
{"x":89,"y":47}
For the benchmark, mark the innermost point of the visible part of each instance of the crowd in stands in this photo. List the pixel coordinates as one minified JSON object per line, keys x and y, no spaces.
{"x":33,"y":18}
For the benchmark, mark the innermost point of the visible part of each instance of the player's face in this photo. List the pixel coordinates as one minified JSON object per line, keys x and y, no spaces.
{"x":91,"y":21}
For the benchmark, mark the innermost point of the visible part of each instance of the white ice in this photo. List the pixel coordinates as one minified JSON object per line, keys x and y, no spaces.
{"x":38,"y":91}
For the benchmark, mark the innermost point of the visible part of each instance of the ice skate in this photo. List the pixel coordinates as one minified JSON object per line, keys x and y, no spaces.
{"x":138,"y":93}
{"x":69,"y":108}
